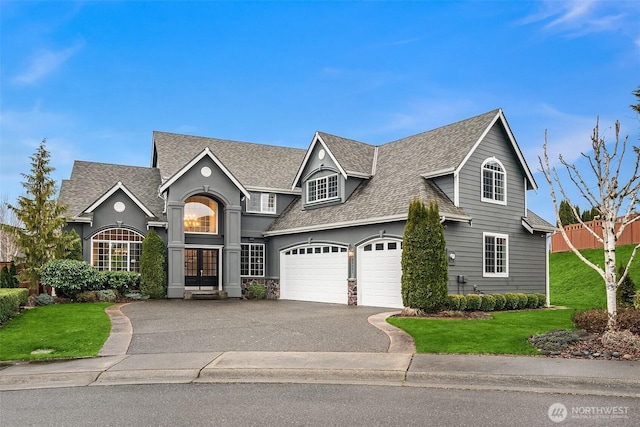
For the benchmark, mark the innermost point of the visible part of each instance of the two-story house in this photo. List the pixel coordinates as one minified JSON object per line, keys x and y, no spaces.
{"x":323,"y":224}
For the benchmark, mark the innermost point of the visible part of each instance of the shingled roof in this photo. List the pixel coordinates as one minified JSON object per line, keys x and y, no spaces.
{"x":90,"y":181}
{"x":355,"y":157}
{"x":397,"y":180}
{"x":254,"y":165}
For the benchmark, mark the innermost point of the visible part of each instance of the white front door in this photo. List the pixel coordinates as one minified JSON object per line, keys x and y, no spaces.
{"x":380,"y":273}
{"x":316,"y":272}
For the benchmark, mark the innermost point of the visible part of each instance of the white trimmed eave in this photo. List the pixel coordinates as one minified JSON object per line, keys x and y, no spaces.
{"x":111,"y":191}
{"x":192,"y":163}
{"x":316,"y":138}
{"x":162,"y":224}
{"x":438,"y":173}
{"x":514,"y":144}
{"x":295,"y":192}
{"x":531,"y":229}
{"x":355,"y":223}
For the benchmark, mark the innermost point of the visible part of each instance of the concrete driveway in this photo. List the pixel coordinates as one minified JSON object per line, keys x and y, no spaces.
{"x":179,"y":326}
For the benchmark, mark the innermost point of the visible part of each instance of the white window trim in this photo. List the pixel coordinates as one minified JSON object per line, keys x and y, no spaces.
{"x":264,"y":256}
{"x":94,"y":239}
{"x":504,"y":173}
{"x":484,"y":257}
{"x":264,"y":203}
{"x":318,"y":200}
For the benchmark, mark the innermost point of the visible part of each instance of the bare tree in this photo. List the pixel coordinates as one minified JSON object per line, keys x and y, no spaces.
{"x":8,"y":221}
{"x":607,"y":198}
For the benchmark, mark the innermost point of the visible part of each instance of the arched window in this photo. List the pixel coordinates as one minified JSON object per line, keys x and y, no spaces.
{"x":494,"y":182}
{"x":116,"y":249}
{"x":200,"y":215}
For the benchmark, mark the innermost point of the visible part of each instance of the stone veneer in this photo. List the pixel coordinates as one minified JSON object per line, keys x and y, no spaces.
{"x":352,"y":290}
{"x":272,"y":286}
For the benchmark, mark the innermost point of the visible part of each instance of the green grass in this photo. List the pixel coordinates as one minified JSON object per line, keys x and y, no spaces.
{"x":574,"y":284}
{"x":70,"y":330}
{"x":506,"y":333}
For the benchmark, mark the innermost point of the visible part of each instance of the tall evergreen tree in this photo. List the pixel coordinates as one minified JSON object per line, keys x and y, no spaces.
{"x":41,"y":218}
{"x":567,"y":214}
{"x":425,"y":274}
{"x":153,"y":279}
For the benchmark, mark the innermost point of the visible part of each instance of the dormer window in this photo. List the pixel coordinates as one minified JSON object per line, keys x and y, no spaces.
{"x":324,"y":188}
{"x":262,"y":203}
{"x":494,"y":182}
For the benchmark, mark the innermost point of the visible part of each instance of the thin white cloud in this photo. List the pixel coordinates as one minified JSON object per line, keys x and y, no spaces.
{"x":577,"y":18}
{"x":44,"y":62}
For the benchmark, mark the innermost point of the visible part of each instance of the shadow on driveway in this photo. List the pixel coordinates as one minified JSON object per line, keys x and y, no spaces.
{"x":176,"y":326}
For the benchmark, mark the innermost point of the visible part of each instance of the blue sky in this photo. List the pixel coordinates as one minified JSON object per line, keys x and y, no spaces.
{"x":96,"y":78}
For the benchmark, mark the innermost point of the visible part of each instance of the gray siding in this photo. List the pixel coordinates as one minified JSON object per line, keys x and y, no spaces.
{"x":446,"y":184}
{"x":527,"y":259}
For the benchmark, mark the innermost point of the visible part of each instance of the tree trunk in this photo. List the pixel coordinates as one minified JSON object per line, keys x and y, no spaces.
{"x":610,"y":278}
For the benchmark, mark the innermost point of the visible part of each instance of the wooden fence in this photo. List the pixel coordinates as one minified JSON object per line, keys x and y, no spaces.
{"x":583,"y":239}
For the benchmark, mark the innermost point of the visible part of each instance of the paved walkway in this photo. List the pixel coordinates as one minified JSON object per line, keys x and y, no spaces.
{"x":399,"y":366}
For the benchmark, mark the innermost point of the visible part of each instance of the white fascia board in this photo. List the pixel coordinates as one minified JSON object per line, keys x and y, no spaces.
{"x":162,"y":224}
{"x":296,"y":192}
{"x":343,"y":224}
{"x":192,"y":163}
{"x":514,"y":144}
{"x":316,"y":139}
{"x":119,"y":186}
{"x":440,"y":172}
{"x":82,"y":219}
{"x":355,"y":223}
{"x":531,"y":229}
{"x":358,"y":175}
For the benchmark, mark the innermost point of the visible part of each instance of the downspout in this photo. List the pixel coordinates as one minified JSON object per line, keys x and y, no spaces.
{"x":547,"y":241}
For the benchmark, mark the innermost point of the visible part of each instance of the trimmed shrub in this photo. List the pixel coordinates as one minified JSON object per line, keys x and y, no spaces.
{"x":44,"y":299}
{"x":500,"y":301}
{"x":511,"y":301}
{"x":522,"y":300}
{"x":106,"y":295}
{"x":555,"y":340}
{"x":596,"y":320}
{"x":86,"y":296}
{"x":487,"y":303}
{"x":122,"y":281}
{"x":10,"y":302}
{"x":257,"y":291}
{"x":614,"y":340}
{"x":626,"y":290}
{"x":542,"y":300}
{"x":473,"y":302}
{"x":532,"y":300}
{"x":70,"y":277}
{"x":456,"y":302}
{"x":153,"y":278}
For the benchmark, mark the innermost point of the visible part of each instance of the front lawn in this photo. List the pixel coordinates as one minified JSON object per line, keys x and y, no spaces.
{"x":506,"y":333}
{"x":70,"y":330}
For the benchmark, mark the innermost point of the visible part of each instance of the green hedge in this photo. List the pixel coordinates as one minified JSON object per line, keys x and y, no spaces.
{"x":496,"y":302}
{"x":10,"y":302}
{"x":70,"y":277}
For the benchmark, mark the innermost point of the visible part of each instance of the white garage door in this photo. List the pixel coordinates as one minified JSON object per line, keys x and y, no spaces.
{"x":314,"y":273}
{"x":380,"y":273}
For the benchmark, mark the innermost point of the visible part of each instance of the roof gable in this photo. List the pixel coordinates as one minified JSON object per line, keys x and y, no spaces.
{"x":256,"y":166}
{"x":90,"y":181}
{"x":114,"y":189}
{"x":499,"y":117}
{"x":352,"y":158}
{"x":205,"y":153}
